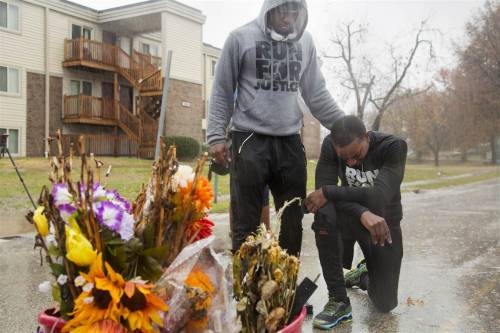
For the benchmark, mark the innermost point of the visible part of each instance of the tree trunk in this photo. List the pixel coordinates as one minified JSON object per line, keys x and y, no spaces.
{"x":493,"y":145}
{"x":436,"y":157}
{"x":463,"y":155}
{"x":377,"y":121}
{"x":418,"y":155}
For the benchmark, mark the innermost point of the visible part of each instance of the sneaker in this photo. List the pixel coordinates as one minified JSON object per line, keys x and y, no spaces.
{"x":354,"y":277}
{"x":333,"y":314}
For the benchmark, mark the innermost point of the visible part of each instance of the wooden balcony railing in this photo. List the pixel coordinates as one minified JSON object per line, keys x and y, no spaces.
{"x":153,"y":82}
{"x":81,"y":107}
{"x":107,"y":56}
{"x":128,"y":122}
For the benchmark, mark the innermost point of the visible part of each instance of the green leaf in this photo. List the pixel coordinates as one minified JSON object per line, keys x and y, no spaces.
{"x":54,"y":251}
{"x":57,"y":269}
{"x":56,"y":293}
{"x":149,"y":269}
{"x":149,"y":236}
{"x":158,"y":253}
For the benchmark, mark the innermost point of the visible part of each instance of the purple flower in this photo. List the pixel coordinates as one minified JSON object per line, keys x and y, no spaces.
{"x":110,"y":215}
{"x":61,"y":195}
{"x":66,"y":211}
{"x":116,"y":198}
{"x":127,"y":227}
{"x":115,"y":218}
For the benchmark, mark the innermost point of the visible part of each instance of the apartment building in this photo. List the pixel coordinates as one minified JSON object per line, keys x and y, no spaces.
{"x":101,"y":74}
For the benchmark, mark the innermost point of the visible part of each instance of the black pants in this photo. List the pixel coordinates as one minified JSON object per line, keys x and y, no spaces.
{"x":260,"y":160}
{"x":336,"y":234}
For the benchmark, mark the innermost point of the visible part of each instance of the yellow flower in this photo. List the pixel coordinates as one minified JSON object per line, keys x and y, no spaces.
{"x":141,"y":307}
{"x":100,"y":298}
{"x":79,"y":249}
{"x":41,"y":223}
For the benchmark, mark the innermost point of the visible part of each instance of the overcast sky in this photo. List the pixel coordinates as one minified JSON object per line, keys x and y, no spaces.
{"x":389,"y":22}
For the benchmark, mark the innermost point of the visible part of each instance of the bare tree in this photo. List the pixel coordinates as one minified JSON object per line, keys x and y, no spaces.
{"x":360,"y":77}
{"x":480,"y":61}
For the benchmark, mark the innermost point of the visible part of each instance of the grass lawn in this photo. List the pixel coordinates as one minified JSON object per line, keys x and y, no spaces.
{"x":128,"y":175}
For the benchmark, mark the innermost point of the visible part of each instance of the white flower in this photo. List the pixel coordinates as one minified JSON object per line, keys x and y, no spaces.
{"x":88,"y":287}
{"x":183,"y":175}
{"x":50,"y":239}
{"x":62,"y":279}
{"x":45,"y":287}
{"x":79,"y":281}
{"x":88,"y":300}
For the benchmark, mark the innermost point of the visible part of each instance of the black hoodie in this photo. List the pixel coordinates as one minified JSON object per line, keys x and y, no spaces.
{"x":374,"y":185}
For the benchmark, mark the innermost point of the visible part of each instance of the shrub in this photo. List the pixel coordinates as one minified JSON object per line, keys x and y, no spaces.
{"x":187,"y":147}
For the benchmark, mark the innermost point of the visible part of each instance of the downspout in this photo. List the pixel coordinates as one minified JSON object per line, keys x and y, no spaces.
{"x":47,"y":83}
{"x":205,"y":106}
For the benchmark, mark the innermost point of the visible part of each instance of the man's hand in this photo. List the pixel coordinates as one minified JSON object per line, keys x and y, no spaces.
{"x":221,"y":154}
{"x":315,"y":201}
{"x":377,"y":227}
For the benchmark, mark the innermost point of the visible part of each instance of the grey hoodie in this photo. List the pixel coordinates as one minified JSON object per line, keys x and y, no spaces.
{"x":269,"y":77}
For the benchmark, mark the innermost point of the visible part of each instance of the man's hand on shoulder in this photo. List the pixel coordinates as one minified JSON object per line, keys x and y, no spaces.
{"x":221,"y":154}
{"x":315,"y":201}
{"x":378,"y":228}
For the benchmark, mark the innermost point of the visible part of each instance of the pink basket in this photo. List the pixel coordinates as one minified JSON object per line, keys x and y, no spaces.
{"x":49,"y":322}
{"x":296,"y":325}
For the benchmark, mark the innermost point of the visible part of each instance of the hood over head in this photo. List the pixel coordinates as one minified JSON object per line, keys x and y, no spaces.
{"x":299,"y":25}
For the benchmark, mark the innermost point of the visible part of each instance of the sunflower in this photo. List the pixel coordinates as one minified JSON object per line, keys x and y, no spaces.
{"x":100,"y":298}
{"x":142,"y":308}
{"x":199,"y":229}
{"x":103,"y":326}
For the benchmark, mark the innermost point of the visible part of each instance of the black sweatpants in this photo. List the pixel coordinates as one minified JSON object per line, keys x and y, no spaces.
{"x":336,"y":234}
{"x":260,"y":160}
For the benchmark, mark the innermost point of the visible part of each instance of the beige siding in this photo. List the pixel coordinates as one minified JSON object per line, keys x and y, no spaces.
{"x":13,"y":112}
{"x":184,"y":38}
{"x":82,"y":76}
{"x":59,"y":30}
{"x":25,"y":49}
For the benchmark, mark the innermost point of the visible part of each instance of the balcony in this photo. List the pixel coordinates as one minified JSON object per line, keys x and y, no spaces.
{"x":102,"y":56}
{"x":89,"y":110}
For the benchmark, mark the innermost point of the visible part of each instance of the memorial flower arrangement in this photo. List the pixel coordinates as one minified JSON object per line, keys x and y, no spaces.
{"x":105,"y":254}
{"x":265,"y":280}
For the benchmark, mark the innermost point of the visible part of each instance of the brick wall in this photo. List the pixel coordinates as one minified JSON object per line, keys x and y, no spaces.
{"x":185,"y":120}
{"x":311,"y":136}
{"x":55,"y":101}
{"x":35,"y":114}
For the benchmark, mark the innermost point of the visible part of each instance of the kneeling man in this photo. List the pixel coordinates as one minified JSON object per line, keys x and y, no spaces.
{"x":364,"y":208}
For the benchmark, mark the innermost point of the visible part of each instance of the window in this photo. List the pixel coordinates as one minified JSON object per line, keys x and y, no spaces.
{"x":214,"y":63}
{"x":78,"y":31}
{"x":9,"y":80}
{"x":145,"y":48}
{"x":12,"y":139}
{"x":9,"y":16}
{"x":77,"y":87}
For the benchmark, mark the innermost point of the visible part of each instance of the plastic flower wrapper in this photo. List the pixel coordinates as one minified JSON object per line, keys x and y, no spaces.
{"x":198,"y":290}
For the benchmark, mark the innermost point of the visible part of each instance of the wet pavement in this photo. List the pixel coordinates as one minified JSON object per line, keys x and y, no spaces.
{"x":450,"y":276}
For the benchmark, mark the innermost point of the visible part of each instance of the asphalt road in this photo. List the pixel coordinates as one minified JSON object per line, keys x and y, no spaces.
{"x":450,"y":270}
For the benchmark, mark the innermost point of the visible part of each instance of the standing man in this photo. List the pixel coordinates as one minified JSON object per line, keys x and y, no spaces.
{"x":272,"y":61}
{"x":365,"y":208}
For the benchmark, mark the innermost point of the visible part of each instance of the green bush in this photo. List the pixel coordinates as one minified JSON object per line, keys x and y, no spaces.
{"x":187,"y":147}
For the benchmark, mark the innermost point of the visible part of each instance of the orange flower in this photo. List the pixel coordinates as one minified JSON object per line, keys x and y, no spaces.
{"x":202,"y":197}
{"x":199,"y":291}
{"x":141,"y":307}
{"x":199,"y":229}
